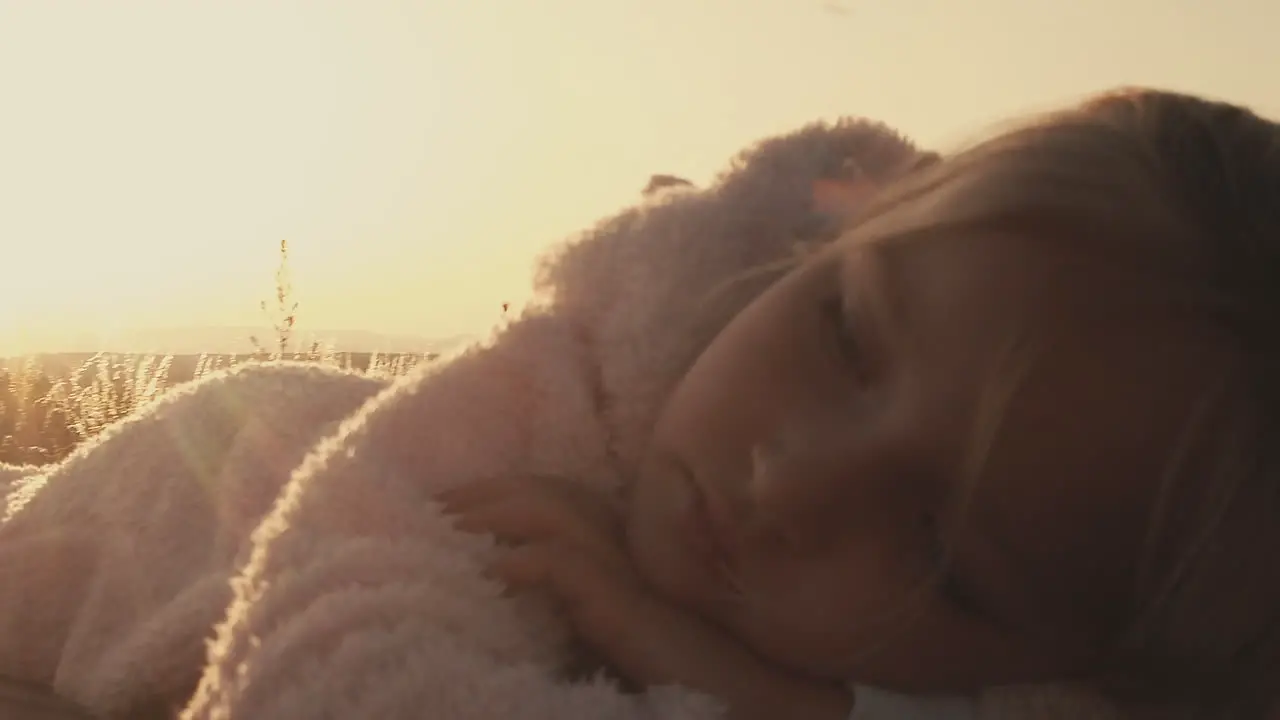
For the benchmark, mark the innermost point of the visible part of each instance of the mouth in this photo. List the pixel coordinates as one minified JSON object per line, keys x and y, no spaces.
{"x":705,"y":536}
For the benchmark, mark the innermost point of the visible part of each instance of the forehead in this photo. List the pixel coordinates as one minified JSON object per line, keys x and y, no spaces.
{"x":973,"y":288}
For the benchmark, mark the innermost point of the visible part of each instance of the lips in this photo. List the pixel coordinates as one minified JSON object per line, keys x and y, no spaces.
{"x":705,"y":532}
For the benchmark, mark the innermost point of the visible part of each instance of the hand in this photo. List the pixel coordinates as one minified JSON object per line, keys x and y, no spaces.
{"x":842,"y":199}
{"x":570,"y":541}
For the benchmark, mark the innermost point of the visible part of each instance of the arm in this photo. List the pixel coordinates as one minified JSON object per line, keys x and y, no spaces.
{"x":114,"y":564}
{"x":360,"y":599}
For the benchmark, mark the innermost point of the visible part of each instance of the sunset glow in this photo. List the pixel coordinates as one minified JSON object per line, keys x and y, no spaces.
{"x":417,"y":156}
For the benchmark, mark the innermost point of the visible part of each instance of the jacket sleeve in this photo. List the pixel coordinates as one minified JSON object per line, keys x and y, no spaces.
{"x":114,"y":564}
{"x":361,"y":600}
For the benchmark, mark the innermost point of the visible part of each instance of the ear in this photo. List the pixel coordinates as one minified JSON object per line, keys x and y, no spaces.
{"x":842,"y":199}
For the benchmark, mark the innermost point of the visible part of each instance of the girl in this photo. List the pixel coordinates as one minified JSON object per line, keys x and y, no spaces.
{"x":354,"y":597}
{"x":1017,"y":426}
{"x":1012,"y":429}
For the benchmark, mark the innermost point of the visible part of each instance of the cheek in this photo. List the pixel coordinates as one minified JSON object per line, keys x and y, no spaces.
{"x":756,"y":368}
{"x":650,"y":536}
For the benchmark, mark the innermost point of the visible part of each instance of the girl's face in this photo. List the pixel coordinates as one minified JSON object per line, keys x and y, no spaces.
{"x":864,"y":477}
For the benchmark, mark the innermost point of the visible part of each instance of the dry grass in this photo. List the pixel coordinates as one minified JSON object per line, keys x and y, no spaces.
{"x":43,"y":418}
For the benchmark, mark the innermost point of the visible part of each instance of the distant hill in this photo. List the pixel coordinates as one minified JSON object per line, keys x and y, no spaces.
{"x":182,"y":367}
{"x":236,"y":341}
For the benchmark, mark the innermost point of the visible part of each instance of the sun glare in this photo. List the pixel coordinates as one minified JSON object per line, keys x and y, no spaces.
{"x":417,"y":156}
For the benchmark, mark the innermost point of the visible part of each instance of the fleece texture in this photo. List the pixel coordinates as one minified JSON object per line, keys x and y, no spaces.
{"x":12,"y":473}
{"x":114,"y":564}
{"x":264,"y":543}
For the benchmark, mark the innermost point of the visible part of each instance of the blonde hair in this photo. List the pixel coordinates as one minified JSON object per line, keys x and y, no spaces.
{"x":1184,"y":194}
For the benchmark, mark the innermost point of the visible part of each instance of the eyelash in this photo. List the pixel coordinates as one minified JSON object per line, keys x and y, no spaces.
{"x":840,"y":327}
{"x":849,"y":351}
{"x":947,"y":584}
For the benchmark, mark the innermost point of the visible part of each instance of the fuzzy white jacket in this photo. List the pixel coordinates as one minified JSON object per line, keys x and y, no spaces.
{"x":264,"y":543}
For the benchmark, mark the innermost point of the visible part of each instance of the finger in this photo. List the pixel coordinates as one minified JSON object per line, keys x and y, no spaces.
{"x":477,"y":492}
{"x":598,"y":508}
{"x":842,"y":198}
{"x":489,"y":489}
{"x":614,"y":614}
{"x":597,"y":595}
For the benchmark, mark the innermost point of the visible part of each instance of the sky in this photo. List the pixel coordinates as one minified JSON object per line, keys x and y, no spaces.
{"x":419,"y":155}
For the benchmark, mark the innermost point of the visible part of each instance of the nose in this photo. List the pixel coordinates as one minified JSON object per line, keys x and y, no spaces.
{"x":802,"y":491}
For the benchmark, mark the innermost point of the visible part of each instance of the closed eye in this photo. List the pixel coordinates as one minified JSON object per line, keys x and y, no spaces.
{"x":839,"y":326}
